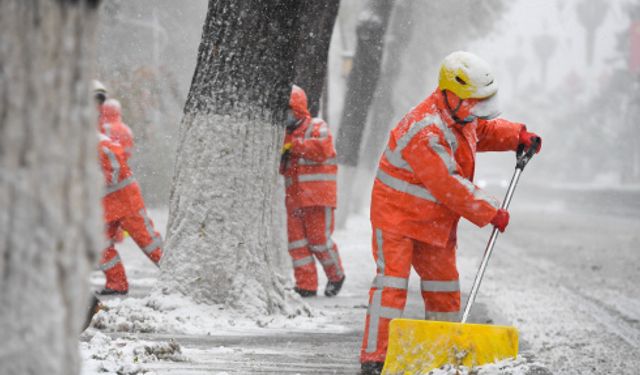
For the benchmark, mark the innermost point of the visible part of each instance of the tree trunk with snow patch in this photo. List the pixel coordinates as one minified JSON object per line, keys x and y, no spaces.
{"x":50,"y":184}
{"x":220,"y":239}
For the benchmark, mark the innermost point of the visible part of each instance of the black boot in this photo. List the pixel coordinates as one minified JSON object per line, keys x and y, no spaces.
{"x":371,"y":368}
{"x":304,"y":292}
{"x":333,"y":287}
{"x":111,"y":292}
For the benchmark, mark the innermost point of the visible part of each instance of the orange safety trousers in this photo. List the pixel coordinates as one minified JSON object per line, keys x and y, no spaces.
{"x":394,"y":255}
{"x":309,"y":230}
{"x":141,"y":229}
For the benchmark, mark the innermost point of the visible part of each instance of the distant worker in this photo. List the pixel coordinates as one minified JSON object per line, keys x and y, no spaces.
{"x":422,"y":188}
{"x":123,"y":208}
{"x":111,"y":125}
{"x":309,"y":167}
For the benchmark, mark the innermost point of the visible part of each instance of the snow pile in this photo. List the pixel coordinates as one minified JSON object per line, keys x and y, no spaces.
{"x":124,"y":356}
{"x":160,"y":313}
{"x":520,"y":366}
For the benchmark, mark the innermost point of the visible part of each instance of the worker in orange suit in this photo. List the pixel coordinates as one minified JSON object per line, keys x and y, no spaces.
{"x":123,"y":207}
{"x":423,"y":187}
{"x":110,"y":124}
{"x":309,"y":168}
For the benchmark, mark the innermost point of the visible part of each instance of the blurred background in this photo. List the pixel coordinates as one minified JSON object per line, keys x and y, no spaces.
{"x":567,"y":68}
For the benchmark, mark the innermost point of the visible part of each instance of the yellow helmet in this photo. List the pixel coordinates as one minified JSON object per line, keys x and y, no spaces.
{"x":467,"y":76}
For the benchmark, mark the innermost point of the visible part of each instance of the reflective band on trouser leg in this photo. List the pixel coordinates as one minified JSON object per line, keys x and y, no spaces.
{"x":304,"y":266}
{"x":114,"y":261}
{"x":334,"y":272}
{"x":156,"y":239}
{"x":442,"y":299}
{"x":386,"y":289}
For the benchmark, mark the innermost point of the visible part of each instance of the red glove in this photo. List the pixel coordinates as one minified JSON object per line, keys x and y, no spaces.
{"x":501,"y":220}
{"x":526,"y":139}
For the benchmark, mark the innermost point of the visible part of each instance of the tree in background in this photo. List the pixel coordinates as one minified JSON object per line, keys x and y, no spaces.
{"x":220,"y":240}
{"x":421,"y":34}
{"x":591,"y":14}
{"x":316,"y":28}
{"x":50,"y":184}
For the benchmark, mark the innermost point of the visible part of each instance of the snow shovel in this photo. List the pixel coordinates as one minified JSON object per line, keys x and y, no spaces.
{"x":418,"y":346}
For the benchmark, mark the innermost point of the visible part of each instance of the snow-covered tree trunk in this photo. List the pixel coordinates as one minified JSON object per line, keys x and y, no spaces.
{"x":50,"y":213}
{"x":220,"y":240}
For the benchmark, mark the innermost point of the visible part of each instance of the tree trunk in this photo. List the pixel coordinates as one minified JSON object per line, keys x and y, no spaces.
{"x":383,"y":111}
{"x":50,"y":213}
{"x":371,"y":28}
{"x":219,"y":246}
{"x":316,"y":28}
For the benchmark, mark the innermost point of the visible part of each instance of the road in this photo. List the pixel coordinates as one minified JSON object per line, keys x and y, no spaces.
{"x":565,"y":274}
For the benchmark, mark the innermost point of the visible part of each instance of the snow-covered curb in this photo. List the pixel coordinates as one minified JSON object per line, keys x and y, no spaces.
{"x":176,"y":314}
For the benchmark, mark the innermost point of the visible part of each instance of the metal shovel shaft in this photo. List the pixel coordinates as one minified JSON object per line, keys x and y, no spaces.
{"x":489,"y":249}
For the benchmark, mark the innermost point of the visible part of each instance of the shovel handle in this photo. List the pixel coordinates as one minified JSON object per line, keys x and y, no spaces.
{"x":522,"y":159}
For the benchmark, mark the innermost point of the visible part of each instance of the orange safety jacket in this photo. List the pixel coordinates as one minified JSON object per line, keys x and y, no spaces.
{"x":424,"y":180}
{"x":311,"y":168}
{"x":111,"y":125}
{"x":122,"y":195}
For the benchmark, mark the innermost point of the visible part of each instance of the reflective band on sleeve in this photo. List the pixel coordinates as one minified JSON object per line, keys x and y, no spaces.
{"x":298,"y":244}
{"x":115,"y":165}
{"x":112,"y":188}
{"x":303,"y":161}
{"x":415,"y":129}
{"x":439,"y":149}
{"x":448,"y":136}
{"x":106,"y":266}
{"x":324,"y":131}
{"x":381,"y":281}
{"x":157,"y":243}
{"x":302,"y":262}
{"x":316,"y":177}
{"x":404,"y":187}
{"x":396,"y":159}
{"x":443,"y":316}
{"x":440,"y":286}
{"x":307,"y":133}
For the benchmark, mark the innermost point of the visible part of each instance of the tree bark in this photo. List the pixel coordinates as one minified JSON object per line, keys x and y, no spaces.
{"x":50,"y":185}
{"x":316,"y":28}
{"x":220,"y":238}
{"x":371,"y":28}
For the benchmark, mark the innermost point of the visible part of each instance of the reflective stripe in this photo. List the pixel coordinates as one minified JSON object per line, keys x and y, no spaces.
{"x":440,"y":286}
{"x":303,"y":161}
{"x":396,"y":159}
{"x":155,"y":244}
{"x":414,"y":129}
{"x":107,"y":129}
{"x":381,"y":281}
{"x":302,"y":262}
{"x":316,"y":177}
{"x":443,"y":316}
{"x":328,"y":221}
{"x":447,"y":159}
{"x":110,"y":263}
{"x":379,"y":242}
{"x":405,"y":187}
{"x":115,"y":166}
{"x":448,"y":136}
{"x":324,"y":131}
{"x":377,"y":311}
{"x":147,"y":222}
{"x":288,"y":181}
{"x":307,"y":133}
{"x":112,"y":188}
{"x":319,"y":248}
{"x":298,"y":244}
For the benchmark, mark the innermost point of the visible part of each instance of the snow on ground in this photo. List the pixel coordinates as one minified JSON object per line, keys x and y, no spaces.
{"x":566,"y":279}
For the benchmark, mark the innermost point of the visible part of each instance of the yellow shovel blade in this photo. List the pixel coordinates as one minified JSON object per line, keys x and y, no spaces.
{"x":418,"y":346}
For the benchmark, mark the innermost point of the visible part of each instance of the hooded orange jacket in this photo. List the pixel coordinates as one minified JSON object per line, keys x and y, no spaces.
{"x":424,"y":180}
